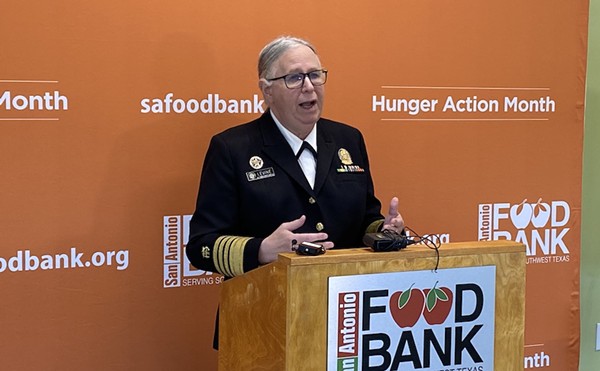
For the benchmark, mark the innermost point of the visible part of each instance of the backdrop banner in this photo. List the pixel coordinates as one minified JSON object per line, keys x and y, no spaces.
{"x":472,"y":112}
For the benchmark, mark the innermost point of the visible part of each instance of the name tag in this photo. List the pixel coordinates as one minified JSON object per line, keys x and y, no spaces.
{"x":260,"y":174}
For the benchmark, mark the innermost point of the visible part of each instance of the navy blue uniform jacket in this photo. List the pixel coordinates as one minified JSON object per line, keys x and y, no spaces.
{"x":251,"y":182}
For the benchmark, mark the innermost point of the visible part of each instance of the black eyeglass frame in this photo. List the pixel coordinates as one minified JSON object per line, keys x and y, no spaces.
{"x":304,"y":76}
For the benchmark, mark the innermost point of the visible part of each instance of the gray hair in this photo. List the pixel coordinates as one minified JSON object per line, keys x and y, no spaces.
{"x":273,"y":50}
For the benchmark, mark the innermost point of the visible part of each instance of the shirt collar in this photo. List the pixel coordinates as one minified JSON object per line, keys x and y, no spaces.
{"x":292,"y":139}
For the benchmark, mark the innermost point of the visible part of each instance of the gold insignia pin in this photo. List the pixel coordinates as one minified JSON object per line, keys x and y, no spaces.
{"x":347,"y":165}
{"x":256,"y":162}
{"x":344,"y":156}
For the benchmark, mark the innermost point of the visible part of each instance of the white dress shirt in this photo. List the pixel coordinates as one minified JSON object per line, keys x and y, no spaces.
{"x":307,"y":160}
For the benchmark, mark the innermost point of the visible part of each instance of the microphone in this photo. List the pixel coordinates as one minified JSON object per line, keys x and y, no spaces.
{"x":387,"y":240}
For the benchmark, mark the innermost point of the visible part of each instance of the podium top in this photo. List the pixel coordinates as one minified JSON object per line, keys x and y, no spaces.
{"x":411,"y":252}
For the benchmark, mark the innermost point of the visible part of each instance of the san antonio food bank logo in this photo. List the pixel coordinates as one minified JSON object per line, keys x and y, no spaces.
{"x":423,"y":326}
{"x":541,"y":225}
{"x":177,"y":269}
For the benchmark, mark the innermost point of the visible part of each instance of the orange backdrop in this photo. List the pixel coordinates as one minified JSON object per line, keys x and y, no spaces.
{"x":106,"y":110}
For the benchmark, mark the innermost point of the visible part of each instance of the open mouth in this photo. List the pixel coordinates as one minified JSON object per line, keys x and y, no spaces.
{"x":308,"y":105}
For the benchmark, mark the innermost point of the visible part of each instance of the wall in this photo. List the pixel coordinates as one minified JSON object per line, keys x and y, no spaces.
{"x":590,"y":254}
{"x":97,"y":183}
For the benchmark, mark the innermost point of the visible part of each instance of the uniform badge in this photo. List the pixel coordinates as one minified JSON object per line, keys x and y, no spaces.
{"x":205,"y":252}
{"x":256,"y":162}
{"x":347,"y":164}
{"x":344,"y":156}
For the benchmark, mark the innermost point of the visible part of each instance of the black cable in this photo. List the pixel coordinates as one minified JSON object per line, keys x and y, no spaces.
{"x":389,"y":240}
{"x":430,"y":242}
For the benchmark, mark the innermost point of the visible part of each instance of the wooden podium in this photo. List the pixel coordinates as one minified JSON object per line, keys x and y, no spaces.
{"x":275,"y":317}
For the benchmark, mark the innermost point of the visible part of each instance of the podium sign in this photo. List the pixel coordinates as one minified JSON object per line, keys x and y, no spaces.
{"x":354,"y":309}
{"x":416,"y":320}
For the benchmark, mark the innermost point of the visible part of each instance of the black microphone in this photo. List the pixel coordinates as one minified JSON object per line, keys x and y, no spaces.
{"x":387,"y":240}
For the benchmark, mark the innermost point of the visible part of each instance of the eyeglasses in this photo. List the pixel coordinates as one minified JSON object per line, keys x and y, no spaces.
{"x":296,"y":80}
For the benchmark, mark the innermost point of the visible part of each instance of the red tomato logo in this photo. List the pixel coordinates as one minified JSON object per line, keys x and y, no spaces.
{"x":406,"y":306}
{"x":438,"y":304}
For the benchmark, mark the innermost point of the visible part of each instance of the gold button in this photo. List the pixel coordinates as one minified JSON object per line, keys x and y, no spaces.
{"x":312,"y":200}
{"x":320,"y":226}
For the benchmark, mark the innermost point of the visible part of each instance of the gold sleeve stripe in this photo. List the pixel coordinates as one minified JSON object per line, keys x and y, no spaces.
{"x":374,"y":227}
{"x":228,"y":255}
{"x":220,"y":249}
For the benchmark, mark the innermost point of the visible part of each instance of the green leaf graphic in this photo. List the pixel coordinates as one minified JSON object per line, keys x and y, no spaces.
{"x":441,"y":294}
{"x":431,"y":300}
{"x":403,"y":299}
